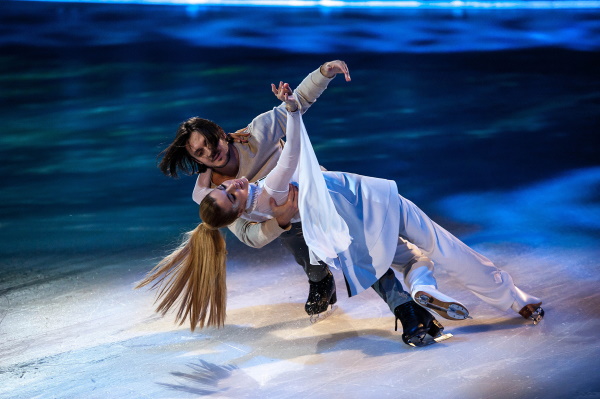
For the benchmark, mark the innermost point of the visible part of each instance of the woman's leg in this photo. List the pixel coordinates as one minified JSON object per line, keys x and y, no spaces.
{"x":420,"y":281}
{"x":471,"y":269}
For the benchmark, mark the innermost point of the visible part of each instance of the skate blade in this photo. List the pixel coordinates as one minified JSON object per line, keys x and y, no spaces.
{"x":442,"y":337}
{"x":537,"y":316}
{"x":315,"y":318}
{"x":533,"y":312}
{"x":430,"y":341}
{"x":447,"y":310}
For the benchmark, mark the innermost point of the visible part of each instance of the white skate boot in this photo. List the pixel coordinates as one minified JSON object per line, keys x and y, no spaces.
{"x":528,"y":306}
{"x":423,"y":288}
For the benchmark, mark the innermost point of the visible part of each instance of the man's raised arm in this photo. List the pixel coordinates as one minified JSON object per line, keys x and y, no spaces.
{"x":311,"y":88}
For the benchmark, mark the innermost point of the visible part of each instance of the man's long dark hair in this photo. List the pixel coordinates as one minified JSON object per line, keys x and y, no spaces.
{"x":176,"y":157}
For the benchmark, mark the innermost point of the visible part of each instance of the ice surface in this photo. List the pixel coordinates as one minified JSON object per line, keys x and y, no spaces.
{"x":84,"y":332}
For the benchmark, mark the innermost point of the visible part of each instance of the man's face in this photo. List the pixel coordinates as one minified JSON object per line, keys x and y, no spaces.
{"x":214,"y":159}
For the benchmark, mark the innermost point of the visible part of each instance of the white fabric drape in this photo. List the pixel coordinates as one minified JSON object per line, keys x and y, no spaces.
{"x":325,"y":232}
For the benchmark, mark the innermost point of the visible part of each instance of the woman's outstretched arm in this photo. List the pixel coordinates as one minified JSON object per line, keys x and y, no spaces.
{"x":277,"y":181}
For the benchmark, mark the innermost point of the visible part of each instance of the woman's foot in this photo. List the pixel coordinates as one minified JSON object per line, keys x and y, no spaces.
{"x":429,"y":297}
{"x":421,"y":282}
{"x":528,"y":306}
{"x":532,"y":312}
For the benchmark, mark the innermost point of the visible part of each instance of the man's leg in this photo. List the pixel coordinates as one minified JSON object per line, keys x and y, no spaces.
{"x":293,"y":240}
{"x":387,"y":287}
{"x":471,"y":269}
{"x":322,"y":285}
{"x":416,"y":321}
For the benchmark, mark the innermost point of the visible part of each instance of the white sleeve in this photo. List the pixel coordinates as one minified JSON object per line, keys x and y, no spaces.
{"x":277,"y":181}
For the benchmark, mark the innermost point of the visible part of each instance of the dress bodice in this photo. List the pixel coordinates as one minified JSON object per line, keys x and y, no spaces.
{"x":258,"y":206}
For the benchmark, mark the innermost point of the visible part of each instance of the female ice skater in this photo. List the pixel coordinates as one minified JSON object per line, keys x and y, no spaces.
{"x":360,"y":224}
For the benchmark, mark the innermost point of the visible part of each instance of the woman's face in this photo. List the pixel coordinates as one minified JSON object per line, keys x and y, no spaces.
{"x":231,"y":196}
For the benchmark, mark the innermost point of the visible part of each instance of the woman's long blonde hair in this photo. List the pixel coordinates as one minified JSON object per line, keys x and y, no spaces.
{"x":194,"y":275}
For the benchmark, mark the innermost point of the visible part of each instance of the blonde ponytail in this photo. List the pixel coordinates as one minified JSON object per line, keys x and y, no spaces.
{"x":194,"y":276}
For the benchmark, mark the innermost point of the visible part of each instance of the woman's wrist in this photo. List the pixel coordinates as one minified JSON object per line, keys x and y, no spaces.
{"x":291,"y":107}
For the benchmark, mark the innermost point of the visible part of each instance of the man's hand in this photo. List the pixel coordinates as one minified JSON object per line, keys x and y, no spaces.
{"x":332,"y":68}
{"x":285,"y":212}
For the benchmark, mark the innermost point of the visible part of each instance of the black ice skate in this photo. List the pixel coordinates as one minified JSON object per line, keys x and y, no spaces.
{"x":321,"y":295}
{"x":533,"y":312}
{"x":417,"y":323}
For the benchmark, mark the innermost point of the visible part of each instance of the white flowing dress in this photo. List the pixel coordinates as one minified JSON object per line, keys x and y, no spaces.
{"x":346,"y":218}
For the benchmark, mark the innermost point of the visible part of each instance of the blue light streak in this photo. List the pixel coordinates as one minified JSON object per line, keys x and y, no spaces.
{"x":457,"y":4}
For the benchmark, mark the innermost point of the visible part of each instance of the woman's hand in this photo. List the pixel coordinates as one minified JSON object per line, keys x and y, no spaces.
{"x":332,"y":68}
{"x":240,"y":136}
{"x":284,"y":93}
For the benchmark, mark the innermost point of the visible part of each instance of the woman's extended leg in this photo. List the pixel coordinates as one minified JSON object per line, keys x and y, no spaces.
{"x":422,"y":285}
{"x":471,"y":269}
